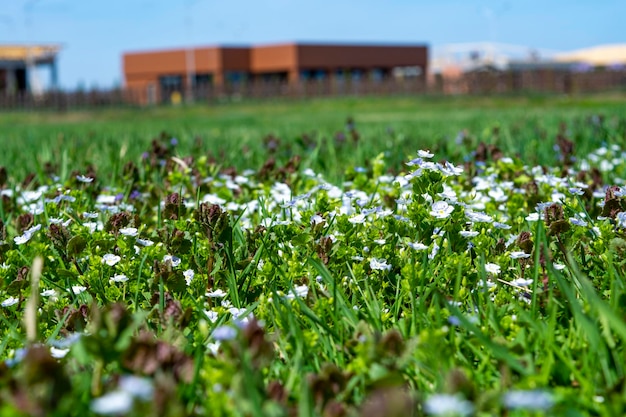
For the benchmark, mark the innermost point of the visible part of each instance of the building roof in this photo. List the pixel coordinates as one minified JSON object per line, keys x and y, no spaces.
{"x":603,"y":55}
{"x":37,"y":53}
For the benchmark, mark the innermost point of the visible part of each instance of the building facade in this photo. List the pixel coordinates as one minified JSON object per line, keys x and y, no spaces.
{"x":17,"y":65}
{"x":159,"y":76}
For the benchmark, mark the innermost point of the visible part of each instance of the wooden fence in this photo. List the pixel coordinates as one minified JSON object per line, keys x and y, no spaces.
{"x":479,"y":83}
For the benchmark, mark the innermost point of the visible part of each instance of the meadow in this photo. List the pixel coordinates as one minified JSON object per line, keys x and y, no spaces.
{"x":235,"y":132}
{"x":347,"y":257}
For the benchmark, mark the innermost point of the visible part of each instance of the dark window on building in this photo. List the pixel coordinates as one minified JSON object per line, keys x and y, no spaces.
{"x":202,"y":86}
{"x":203,"y":80}
{"x":235,"y":77}
{"x":376,"y":75}
{"x":274,"y":77}
{"x":20,"y":79}
{"x":320,"y":75}
{"x":170,"y":85}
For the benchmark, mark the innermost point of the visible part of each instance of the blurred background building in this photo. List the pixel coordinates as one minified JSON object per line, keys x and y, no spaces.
{"x":489,"y":67}
{"x":19,"y":64}
{"x":167,"y":75}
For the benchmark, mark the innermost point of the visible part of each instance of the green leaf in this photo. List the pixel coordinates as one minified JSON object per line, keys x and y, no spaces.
{"x":66,"y":273}
{"x":16,"y":287}
{"x":76,"y":245}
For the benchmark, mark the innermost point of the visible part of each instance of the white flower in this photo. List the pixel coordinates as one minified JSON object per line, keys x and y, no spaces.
{"x":417,"y":246}
{"x":519,"y":255}
{"x":621,"y":192}
{"x":606,"y":166}
{"x":498,"y":195}
{"x":144,"y":242}
{"x":34,"y":208}
{"x":450,"y":169}
{"x":621,"y":219}
{"x":28,"y":196}
{"x":49,"y":293}
{"x":478,"y":217}
{"x":119,"y":278}
{"x":67,"y":342}
{"x":468,"y":233}
{"x":492,"y":268}
{"x":93,"y":226}
{"x":216,"y":294}
{"x":105,"y":199}
{"x":174,"y":260}
{"x":503,"y":226}
{"x":416,"y":161}
{"x":20,"y":240}
{"x":299,"y":291}
{"x":557,"y":197}
{"x":559,"y":267}
{"x":577,"y":222}
{"x":528,"y":400}
{"x":137,"y":386}
{"x":425,"y":154}
{"x":77,"y":289}
{"x":448,"y":404}
{"x":434,"y":251}
{"x":90,"y":215}
{"x":115,"y":402}
{"x":379,"y":264}
{"x":224,"y":333}
{"x":189,"y":274}
{"x":110,"y":259}
{"x":512,"y":239}
{"x":82,"y":178}
{"x":532,"y":217}
{"x":211,"y":315}
{"x":357,"y":219}
{"x":316,"y":219}
{"x":384,"y":213}
{"x":9,"y":302}
{"x":213,"y":199}
{"x":441,"y":209}
{"x":520,"y":282}
{"x":129,"y":231}
{"x":214,"y":347}
{"x":58,"y":353}
{"x":33,"y":229}
{"x":449,"y":194}
{"x":236,"y":312}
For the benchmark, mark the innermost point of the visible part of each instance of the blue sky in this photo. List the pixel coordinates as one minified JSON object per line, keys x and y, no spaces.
{"x":95,"y":33}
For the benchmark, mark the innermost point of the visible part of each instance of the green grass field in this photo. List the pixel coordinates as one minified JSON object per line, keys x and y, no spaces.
{"x":235,"y":131}
{"x":431,"y":257}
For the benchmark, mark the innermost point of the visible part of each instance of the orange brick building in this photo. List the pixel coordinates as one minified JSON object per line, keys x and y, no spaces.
{"x":158,"y":75}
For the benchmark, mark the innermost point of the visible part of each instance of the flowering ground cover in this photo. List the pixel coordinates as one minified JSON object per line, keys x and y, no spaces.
{"x":463,"y":283}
